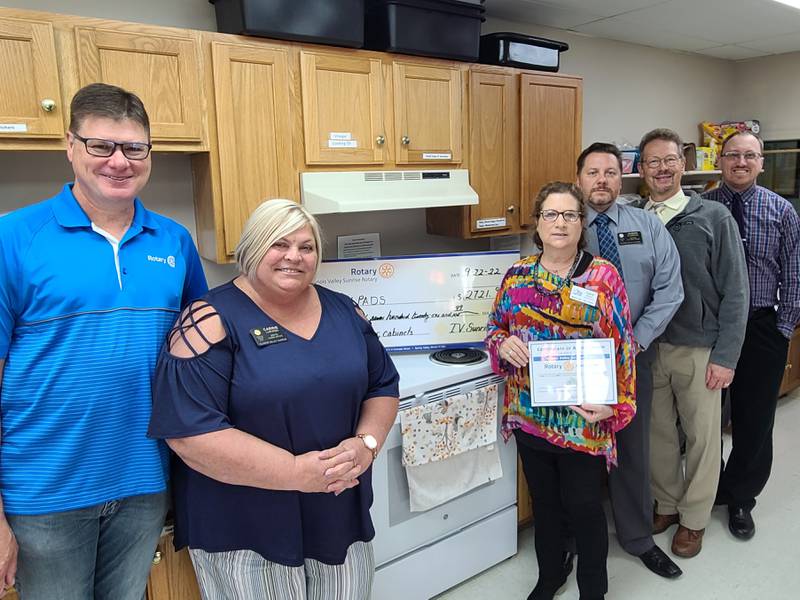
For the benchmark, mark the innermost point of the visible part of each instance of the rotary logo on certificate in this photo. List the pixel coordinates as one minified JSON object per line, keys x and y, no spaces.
{"x":573,"y":372}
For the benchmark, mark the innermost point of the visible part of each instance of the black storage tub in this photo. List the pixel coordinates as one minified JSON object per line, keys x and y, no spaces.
{"x":335,"y":22}
{"x":438,"y":28}
{"x":523,"y":51}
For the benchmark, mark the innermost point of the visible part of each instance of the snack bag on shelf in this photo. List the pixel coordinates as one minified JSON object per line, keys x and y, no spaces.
{"x":715,"y":133}
{"x":706,"y":158}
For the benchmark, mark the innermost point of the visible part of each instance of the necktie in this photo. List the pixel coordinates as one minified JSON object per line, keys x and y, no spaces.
{"x":606,"y":242}
{"x":737,"y":210}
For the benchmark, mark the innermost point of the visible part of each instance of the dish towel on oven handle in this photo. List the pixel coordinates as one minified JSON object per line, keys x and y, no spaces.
{"x":450,"y":447}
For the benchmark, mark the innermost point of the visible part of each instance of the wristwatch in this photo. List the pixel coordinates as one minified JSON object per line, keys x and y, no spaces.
{"x":370,"y":442}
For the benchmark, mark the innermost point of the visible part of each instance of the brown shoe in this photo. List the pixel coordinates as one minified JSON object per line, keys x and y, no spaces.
{"x":664,"y":522}
{"x":686,"y":542}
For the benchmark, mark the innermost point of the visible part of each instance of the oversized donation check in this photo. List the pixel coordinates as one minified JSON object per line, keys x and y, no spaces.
{"x":572,"y":372}
{"x":423,"y":302}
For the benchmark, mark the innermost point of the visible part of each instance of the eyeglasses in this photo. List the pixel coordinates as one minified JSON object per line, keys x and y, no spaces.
{"x":105,"y":148}
{"x":670,"y":162}
{"x":737,"y":156}
{"x":570,"y":216}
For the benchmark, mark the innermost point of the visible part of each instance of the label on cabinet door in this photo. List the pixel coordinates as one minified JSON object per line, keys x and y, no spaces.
{"x":342,"y":144}
{"x":13,"y":128}
{"x":490,"y":223}
{"x":333,"y":135}
{"x":366,"y":245}
{"x":437,"y":156}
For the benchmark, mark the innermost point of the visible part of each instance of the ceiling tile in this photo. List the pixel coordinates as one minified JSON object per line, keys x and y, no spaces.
{"x":724,"y":21}
{"x":604,"y":8}
{"x":732,"y":52}
{"x":648,"y":35}
{"x":777,"y":45}
{"x":539,"y":13}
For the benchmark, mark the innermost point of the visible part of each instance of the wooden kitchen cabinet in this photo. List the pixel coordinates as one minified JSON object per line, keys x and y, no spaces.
{"x":253,"y":160}
{"x":551,"y":109}
{"x":427,"y":113}
{"x":524,"y":502}
{"x":30,"y":93}
{"x":343,"y":117}
{"x":524,"y":131}
{"x":791,"y":375}
{"x":172,"y":575}
{"x":494,"y":151}
{"x":163,"y":69}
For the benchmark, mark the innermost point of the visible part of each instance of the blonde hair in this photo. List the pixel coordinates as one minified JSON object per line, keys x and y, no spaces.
{"x":270,"y":221}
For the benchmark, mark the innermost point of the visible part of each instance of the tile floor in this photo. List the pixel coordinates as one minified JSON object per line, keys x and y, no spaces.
{"x":764,"y":568}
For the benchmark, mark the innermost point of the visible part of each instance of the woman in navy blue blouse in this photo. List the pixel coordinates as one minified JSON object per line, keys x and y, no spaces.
{"x":276,"y":395}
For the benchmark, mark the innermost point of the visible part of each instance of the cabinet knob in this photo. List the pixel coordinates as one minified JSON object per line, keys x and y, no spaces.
{"x":405,"y":140}
{"x":380,"y":140}
{"x":48,"y":105}
{"x":788,"y":366}
{"x":157,"y":557}
{"x":510,"y":208}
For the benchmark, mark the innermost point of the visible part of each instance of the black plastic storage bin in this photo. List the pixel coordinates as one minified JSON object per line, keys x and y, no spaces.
{"x":439,"y":28}
{"x":523,"y":51}
{"x":335,"y":22}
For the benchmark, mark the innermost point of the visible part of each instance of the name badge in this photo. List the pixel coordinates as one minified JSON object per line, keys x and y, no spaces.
{"x":266,"y":336}
{"x":626,"y":238}
{"x":583,"y":295}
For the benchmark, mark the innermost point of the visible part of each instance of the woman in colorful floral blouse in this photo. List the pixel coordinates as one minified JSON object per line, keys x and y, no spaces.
{"x":563,"y":293}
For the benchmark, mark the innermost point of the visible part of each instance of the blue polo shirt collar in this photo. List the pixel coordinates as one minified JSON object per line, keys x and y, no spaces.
{"x":68,"y":213}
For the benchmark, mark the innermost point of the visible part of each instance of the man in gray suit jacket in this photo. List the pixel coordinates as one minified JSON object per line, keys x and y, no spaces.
{"x":697,"y":354}
{"x":640,"y":247}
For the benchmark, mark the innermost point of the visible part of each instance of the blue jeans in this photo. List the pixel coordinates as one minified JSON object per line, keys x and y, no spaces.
{"x":102,"y":552}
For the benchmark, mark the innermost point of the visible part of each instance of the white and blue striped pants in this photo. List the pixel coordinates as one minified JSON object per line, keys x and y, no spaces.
{"x":246,"y":575}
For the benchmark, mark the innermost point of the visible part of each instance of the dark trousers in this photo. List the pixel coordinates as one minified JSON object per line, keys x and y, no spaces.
{"x":629,"y":481}
{"x":567,"y":486}
{"x":753,"y":397}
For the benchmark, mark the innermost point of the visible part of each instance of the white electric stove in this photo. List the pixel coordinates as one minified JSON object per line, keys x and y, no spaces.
{"x":421,"y":554}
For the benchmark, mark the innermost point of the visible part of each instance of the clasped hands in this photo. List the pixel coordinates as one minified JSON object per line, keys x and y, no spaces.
{"x":333,"y":470}
{"x":514,"y":351}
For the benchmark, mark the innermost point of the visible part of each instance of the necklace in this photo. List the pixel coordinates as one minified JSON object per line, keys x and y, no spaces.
{"x":537,"y":276}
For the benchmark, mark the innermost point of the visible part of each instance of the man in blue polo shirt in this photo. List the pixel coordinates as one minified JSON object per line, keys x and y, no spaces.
{"x":90,"y":283}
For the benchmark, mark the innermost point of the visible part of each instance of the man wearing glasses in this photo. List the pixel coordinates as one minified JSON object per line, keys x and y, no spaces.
{"x":770,"y":232}
{"x":696,"y":356}
{"x":645,"y":256}
{"x":90,"y":283}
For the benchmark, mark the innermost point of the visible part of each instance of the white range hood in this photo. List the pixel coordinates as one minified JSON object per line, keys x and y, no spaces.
{"x":358,"y":191}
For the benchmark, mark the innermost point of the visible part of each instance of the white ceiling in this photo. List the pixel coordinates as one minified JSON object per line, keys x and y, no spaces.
{"x":729,"y":29}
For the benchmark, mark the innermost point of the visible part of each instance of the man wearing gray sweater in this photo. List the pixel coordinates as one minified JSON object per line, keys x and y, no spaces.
{"x":697,"y":354}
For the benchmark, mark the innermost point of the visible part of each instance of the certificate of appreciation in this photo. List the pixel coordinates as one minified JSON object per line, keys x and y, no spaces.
{"x":572,"y":372}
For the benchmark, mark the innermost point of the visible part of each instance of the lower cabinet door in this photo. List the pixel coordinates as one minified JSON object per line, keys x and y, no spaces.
{"x":172,"y":576}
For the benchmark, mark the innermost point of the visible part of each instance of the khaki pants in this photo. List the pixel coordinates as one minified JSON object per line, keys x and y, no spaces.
{"x":679,"y":390}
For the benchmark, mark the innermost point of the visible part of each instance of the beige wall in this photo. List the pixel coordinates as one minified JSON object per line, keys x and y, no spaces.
{"x":192,"y":14}
{"x":769,"y":90}
{"x":627,"y":90}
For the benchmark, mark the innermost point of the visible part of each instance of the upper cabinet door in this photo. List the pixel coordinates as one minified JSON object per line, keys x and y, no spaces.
{"x":427,"y":109}
{"x":342,"y":109}
{"x":163,"y":70}
{"x":254,"y":120}
{"x":551,"y":120}
{"x":30,"y":96}
{"x":494,"y":151}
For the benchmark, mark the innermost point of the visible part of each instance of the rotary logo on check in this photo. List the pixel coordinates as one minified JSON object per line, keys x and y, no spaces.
{"x":386,"y":270}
